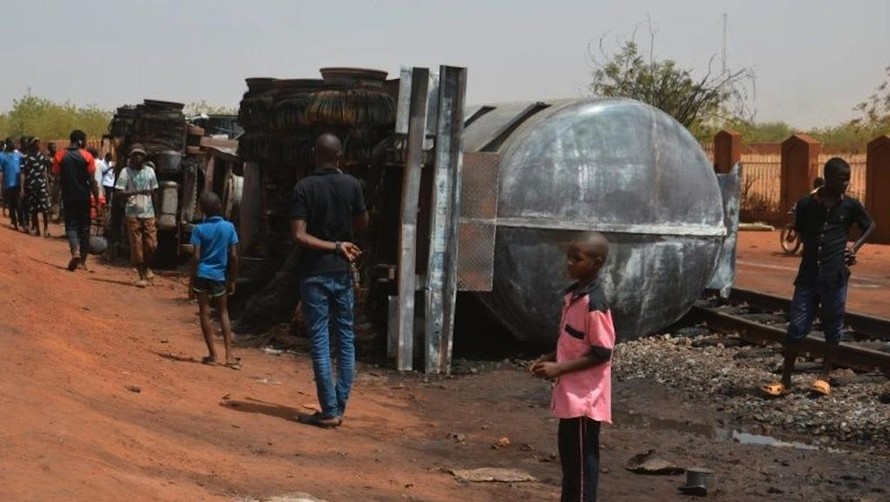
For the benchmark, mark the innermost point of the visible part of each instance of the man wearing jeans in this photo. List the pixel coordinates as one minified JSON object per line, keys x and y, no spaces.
{"x":823,"y":219}
{"x":328,"y":207}
{"x":73,"y":170}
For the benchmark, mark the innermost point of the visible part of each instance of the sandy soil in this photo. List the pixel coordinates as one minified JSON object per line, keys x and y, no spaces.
{"x":104,"y":400}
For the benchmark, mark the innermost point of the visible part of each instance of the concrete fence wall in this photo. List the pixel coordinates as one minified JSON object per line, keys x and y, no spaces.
{"x":776,"y":175}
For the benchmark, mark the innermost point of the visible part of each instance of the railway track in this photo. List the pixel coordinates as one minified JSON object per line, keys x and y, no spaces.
{"x":759,"y":318}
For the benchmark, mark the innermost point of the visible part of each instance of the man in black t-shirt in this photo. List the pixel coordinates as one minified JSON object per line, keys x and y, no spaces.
{"x":823,"y":219}
{"x":328,"y":207}
{"x":73,"y":171}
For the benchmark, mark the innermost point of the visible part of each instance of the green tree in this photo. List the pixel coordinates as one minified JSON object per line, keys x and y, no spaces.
{"x":876,"y":109}
{"x":35,"y":116}
{"x":199,"y":107}
{"x":694,"y":102}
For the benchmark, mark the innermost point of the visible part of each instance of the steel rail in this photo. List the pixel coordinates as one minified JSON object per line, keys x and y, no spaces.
{"x":851,"y":356}
{"x":877,"y":327}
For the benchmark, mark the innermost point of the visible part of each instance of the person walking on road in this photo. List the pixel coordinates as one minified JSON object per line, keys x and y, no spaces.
{"x":213,"y":274}
{"x":73,"y":173}
{"x":328,"y":208}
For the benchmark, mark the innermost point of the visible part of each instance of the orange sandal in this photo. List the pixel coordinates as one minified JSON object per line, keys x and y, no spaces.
{"x":774,"y":389}
{"x":820,"y":387}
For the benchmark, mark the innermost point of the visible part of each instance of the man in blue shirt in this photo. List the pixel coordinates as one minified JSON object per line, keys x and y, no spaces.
{"x":11,"y":173}
{"x":214,"y":270}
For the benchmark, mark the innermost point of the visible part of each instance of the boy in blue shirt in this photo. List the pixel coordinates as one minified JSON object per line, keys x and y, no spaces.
{"x":214,"y":270}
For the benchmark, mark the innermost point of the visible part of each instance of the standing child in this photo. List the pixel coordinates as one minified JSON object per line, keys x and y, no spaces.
{"x":581,"y":365}
{"x":214,"y":270}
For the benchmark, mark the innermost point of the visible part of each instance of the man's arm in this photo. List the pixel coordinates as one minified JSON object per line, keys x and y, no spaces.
{"x":94,"y":188}
{"x":864,"y":237}
{"x":304,"y":239}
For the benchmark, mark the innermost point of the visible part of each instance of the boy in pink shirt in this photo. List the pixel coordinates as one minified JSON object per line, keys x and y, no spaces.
{"x":581,"y":365}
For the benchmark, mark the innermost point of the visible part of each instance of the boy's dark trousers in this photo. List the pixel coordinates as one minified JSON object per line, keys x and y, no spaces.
{"x":579,"y":454}
{"x":12,"y":197}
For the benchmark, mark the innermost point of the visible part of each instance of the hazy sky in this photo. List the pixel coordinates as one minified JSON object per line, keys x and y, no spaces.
{"x":814,"y":59}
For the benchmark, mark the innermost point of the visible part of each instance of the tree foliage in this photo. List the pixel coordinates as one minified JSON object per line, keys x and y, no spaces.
{"x":199,"y":107}
{"x":35,"y":116}
{"x":694,"y":102}
{"x":876,"y":109}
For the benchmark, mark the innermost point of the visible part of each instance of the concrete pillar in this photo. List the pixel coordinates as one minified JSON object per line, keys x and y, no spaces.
{"x":727,"y":150}
{"x":800,"y":166}
{"x":877,"y":186}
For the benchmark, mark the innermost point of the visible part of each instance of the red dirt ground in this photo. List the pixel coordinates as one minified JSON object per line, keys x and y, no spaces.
{"x":78,"y":346}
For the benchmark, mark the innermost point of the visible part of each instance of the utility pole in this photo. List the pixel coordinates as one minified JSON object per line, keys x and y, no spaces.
{"x":724,"y":45}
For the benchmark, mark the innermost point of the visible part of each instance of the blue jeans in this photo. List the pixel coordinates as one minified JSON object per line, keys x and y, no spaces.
{"x":328,"y":300}
{"x":804,"y":305}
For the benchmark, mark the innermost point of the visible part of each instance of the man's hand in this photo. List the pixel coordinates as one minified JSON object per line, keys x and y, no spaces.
{"x":545,"y":369}
{"x":350,"y":250}
{"x":850,"y":256}
{"x":230,"y":288}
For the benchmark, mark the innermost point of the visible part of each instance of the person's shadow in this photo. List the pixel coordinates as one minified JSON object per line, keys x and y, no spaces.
{"x":251,"y":405}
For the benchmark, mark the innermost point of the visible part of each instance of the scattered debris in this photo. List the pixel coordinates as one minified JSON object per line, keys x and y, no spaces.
{"x":699,"y":481}
{"x":485,"y":474}
{"x":501,"y":443}
{"x":458,"y":438}
{"x":133,"y":388}
{"x":648,"y":463}
{"x":292,"y":497}
{"x":273,"y":352}
{"x":730,"y":373}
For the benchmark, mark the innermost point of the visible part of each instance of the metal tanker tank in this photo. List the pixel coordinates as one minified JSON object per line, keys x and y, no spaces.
{"x":616,"y":166}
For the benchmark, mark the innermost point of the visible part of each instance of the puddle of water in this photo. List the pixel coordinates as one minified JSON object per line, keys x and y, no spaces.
{"x":709,"y":431}
{"x":746,"y":438}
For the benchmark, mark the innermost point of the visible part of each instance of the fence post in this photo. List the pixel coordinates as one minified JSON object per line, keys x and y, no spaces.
{"x":727,"y":150}
{"x":877,"y":185}
{"x":800,"y":166}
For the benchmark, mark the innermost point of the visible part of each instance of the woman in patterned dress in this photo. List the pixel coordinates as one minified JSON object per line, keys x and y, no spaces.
{"x":36,"y":194}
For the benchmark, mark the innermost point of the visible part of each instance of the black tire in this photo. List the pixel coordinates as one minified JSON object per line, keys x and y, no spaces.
{"x":789,"y":239}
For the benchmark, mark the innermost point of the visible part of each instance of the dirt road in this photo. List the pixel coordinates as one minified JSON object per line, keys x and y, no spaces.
{"x":103,"y":399}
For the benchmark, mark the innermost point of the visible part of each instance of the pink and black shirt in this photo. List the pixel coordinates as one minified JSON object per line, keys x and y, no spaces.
{"x":586,"y":330}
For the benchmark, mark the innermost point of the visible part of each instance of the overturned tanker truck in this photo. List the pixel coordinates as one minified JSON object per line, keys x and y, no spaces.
{"x":541,"y":172}
{"x":616,"y":166}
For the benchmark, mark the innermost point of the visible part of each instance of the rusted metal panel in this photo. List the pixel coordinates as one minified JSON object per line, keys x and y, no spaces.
{"x":478,"y":213}
{"x":730,"y":189}
{"x":475,"y":262}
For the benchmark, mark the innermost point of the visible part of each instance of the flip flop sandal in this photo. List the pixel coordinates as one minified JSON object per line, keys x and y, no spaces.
{"x":774,"y":389}
{"x":234,"y":366}
{"x":820,"y":387}
{"x":208,"y":361}
{"x":72,"y":265}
